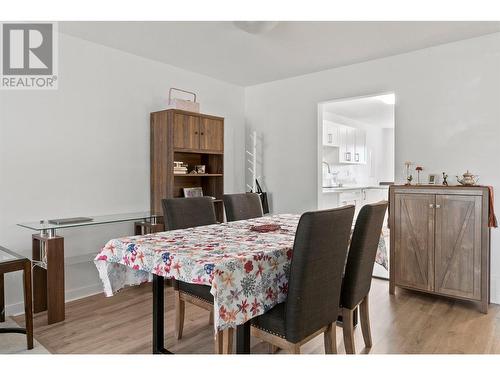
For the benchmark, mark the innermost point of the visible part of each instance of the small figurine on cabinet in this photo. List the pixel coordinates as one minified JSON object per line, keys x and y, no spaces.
{"x":409,"y":179}
{"x":445,"y":177}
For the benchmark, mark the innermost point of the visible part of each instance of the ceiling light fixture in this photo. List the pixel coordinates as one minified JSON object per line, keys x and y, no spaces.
{"x":255,"y":27}
{"x":387,"y":99}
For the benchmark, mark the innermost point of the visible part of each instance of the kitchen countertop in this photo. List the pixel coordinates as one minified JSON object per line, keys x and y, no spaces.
{"x":354,"y":187}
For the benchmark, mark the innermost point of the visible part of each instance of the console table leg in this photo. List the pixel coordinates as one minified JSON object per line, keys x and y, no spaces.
{"x":55,"y":279}
{"x":39,"y":278}
{"x":48,"y":284}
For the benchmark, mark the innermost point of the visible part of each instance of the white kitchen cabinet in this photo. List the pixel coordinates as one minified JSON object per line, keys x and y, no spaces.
{"x":352,"y":149}
{"x":360,"y":146}
{"x":351,"y":142}
{"x":331,"y":134}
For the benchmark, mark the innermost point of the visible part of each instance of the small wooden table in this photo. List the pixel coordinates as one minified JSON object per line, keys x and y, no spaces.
{"x":11,"y":262}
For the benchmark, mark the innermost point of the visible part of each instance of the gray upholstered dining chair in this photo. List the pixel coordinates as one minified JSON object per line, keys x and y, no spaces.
{"x":358,"y":272}
{"x":312,"y":304}
{"x":182,"y":213}
{"x":242,"y":206}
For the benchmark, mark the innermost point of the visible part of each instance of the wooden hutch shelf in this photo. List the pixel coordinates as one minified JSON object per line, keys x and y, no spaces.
{"x":191,"y":138}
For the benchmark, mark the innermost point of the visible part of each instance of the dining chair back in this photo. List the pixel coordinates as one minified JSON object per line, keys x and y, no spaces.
{"x":181,"y":213}
{"x":242,"y":206}
{"x":318,"y":259}
{"x":359,"y":269}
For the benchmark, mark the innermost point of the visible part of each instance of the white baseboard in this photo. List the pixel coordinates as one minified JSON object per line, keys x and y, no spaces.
{"x":71,"y":295}
{"x":495,"y":289}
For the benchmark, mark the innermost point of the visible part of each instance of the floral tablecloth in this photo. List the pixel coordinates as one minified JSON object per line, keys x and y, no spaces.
{"x":246,"y":270}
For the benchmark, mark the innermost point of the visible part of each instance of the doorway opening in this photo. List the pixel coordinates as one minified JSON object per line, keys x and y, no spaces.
{"x":356,"y":155}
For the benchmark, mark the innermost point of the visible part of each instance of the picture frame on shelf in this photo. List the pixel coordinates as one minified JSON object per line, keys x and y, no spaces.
{"x":433,"y":179}
{"x":193,"y":192}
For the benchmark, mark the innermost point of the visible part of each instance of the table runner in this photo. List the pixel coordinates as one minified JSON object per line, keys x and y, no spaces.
{"x":246,"y":270}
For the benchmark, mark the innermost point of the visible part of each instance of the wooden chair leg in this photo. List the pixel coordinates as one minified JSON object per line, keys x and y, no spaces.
{"x":218,"y":341}
{"x":227,"y":347}
{"x":272,"y":348}
{"x":330,"y":337}
{"x":348,"y":331}
{"x":28,"y":308}
{"x":211,"y":318}
{"x":180,"y":307}
{"x":365,"y":321}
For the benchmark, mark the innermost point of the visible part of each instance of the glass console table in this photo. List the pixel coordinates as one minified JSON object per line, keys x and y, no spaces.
{"x":48,"y":255}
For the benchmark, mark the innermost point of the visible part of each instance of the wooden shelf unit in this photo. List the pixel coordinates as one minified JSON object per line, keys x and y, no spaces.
{"x":194,"y":139}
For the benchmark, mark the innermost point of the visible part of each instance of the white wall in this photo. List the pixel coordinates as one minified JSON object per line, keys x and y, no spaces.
{"x":84,"y":149}
{"x":447,"y":118}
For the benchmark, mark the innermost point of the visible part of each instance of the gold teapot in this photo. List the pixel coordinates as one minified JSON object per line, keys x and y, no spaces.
{"x":468,"y":179}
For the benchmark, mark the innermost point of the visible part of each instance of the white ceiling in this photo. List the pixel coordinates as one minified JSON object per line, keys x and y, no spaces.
{"x":369,"y":110}
{"x":223,"y":51}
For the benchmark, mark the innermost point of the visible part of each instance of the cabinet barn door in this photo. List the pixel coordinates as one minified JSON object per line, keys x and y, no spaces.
{"x":186,"y":132}
{"x":458,"y":246}
{"x":211,"y":134}
{"x":414,"y":240}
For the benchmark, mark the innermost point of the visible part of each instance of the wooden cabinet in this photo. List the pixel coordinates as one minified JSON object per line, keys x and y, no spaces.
{"x":414,"y":236}
{"x":199,"y":133}
{"x":440,"y":241}
{"x":458,"y":246}
{"x":186,"y":131}
{"x":191,"y":138}
{"x":211,"y":134}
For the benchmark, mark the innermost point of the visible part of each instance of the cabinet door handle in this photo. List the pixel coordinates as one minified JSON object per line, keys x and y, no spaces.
{"x":438,"y":206}
{"x":202,"y":133}
{"x":431,"y":205}
{"x":195,"y":132}
{"x":356,"y":156}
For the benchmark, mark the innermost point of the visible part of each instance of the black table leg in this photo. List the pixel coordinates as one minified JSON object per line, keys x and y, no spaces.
{"x":158,"y":316}
{"x":243,"y":338}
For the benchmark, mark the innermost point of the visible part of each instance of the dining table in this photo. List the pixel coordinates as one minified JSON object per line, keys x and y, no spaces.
{"x":245,"y":265}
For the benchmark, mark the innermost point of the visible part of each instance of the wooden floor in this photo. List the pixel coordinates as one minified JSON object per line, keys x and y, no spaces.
{"x":409,"y":322}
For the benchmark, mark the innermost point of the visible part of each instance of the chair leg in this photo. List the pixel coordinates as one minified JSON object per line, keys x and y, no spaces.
{"x":348,"y":331}
{"x":228,"y":341}
{"x":180,"y":307}
{"x":330,"y":337}
{"x":211,"y":318}
{"x":218,"y":342}
{"x":272,"y":348}
{"x":295,"y":349}
{"x":365,"y":321}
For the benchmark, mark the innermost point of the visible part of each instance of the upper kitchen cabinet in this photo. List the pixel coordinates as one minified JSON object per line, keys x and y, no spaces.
{"x":331,"y":134}
{"x":352,"y":145}
{"x":360,"y":146}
